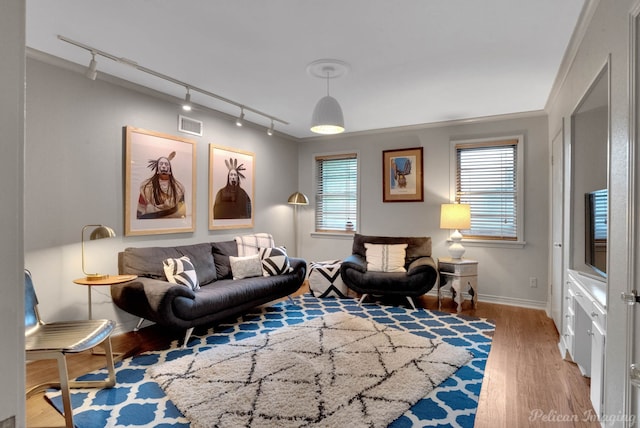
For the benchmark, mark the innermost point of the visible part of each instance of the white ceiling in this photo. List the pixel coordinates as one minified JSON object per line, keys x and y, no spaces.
{"x":411,"y":61}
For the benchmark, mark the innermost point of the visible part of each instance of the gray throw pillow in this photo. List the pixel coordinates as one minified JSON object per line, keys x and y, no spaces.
{"x":245,"y":267}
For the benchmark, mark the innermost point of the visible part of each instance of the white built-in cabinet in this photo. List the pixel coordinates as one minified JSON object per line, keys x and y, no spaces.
{"x":585,"y":169}
{"x":585,"y":327}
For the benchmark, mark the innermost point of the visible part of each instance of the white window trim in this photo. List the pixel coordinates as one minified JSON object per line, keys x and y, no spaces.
{"x":332,"y":234}
{"x":519,"y":242}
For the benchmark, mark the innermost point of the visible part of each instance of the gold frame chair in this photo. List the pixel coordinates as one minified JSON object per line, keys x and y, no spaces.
{"x":52,"y":341}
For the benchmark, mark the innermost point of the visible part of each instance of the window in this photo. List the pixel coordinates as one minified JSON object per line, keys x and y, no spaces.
{"x":337,"y":193}
{"x":488,"y":177}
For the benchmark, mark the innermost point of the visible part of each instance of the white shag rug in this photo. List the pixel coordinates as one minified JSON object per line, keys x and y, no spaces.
{"x":333,"y":371}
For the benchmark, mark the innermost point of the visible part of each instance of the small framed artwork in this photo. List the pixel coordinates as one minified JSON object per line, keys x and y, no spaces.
{"x":402,"y":179}
{"x":231,"y":187}
{"x":160,"y":183}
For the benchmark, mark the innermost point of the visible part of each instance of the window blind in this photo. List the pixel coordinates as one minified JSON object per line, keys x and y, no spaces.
{"x":600,"y":213}
{"x":336,"y":193}
{"x":486,"y":179}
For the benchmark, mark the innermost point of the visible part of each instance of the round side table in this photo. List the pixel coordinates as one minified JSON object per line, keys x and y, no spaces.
{"x":109,"y":280}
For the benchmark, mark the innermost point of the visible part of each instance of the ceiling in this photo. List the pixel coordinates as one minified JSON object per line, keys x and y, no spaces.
{"x":411,"y":62}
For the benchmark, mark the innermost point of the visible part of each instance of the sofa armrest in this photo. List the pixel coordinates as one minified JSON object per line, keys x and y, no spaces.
{"x":420,"y":265}
{"x":298,"y":268}
{"x":355,"y":261}
{"x":147,"y":294}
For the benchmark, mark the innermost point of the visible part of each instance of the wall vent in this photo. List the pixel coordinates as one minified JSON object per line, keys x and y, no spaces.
{"x":189,"y":126}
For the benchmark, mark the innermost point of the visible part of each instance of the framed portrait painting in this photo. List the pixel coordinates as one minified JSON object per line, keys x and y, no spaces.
{"x":402,"y":178}
{"x":160,"y":183}
{"x":231,"y":188}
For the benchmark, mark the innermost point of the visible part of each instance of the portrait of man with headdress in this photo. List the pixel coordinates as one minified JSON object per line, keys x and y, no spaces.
{"x":161,"y":195}
{"x":232,"y":202}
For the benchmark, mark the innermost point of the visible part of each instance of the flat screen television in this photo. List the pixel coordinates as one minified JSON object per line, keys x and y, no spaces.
{"x":596,"y":225}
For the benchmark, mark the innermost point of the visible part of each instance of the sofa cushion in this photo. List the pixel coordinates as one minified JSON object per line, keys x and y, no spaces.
{"x":221,"y":252}
{"x":148,"y":261}
{"x":181,"y":271}
{"x":385,"y":257}
{"x":274,"y":261}
{"x":416,"y":246}
{"x":245,"y":267}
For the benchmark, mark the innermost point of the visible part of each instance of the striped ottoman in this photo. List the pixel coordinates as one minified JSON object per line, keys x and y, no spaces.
{"x":325,"y":279}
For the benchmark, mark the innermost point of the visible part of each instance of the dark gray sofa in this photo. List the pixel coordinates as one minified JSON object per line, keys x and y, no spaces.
{"x":152,"y":297}
{"x":420,"y":276}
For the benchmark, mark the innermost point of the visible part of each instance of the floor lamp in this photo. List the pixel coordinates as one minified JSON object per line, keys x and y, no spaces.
{"x":296,"y":199}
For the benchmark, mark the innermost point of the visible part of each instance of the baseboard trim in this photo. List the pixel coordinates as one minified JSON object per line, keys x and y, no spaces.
{"x":128,"y":326}
{"x":501,"y":300}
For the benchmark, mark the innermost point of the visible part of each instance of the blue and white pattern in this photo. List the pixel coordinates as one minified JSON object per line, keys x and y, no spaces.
{"x":138,"y":401}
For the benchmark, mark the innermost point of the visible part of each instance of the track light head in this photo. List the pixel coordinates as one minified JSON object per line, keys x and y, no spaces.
{"x":270,"y":130}
{"x":240,"y":119}
{"x":92,"y":72}
{"x":186,"y":105}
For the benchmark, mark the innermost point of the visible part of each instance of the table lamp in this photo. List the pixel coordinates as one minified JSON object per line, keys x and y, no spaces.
{"x":99,"y":232}
{"x":455,"y":216}
{"x":296,"y":199}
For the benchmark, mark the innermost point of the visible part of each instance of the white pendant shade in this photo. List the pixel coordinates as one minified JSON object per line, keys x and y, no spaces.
{"x":327,"y":117}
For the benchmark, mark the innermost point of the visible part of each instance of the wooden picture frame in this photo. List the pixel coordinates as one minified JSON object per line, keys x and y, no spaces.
{"x":231,"y":188}
{"x":402,"y":175}
{"x":160,"y":183}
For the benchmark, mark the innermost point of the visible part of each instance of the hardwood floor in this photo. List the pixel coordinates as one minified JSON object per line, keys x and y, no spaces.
{"x":526,"y":382}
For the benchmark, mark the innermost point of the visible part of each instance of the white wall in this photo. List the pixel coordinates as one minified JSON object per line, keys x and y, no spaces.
{"x":74,"y":176}
{"x":503,"y":272}
{"x":12,"y":33}
{"x":607,"y":36}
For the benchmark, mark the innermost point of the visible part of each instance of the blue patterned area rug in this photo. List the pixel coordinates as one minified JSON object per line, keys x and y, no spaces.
{"x":138,"y":401}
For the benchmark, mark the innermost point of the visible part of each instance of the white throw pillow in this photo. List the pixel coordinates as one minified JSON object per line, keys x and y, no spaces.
{"x":181,"y":271}
{"x":385,"y":257}
{"x":274,"y":261}
{"x":245,"y":267}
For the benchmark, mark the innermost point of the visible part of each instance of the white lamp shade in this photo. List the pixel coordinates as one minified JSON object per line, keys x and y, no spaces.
{"x":327,"y":117}
{"x":455,"y":216}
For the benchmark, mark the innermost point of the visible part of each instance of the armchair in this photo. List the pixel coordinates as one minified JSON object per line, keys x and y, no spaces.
{"x":53,"y":341}
{"x":420,"y":276}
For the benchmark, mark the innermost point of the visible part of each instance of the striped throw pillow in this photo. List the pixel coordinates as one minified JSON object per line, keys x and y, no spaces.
{"x":181,"y":271}
{"x":274,"y":261}
{"x":385,"y":257}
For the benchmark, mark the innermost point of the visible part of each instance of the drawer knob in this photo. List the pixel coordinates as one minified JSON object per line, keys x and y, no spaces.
{"x":594,"y":314}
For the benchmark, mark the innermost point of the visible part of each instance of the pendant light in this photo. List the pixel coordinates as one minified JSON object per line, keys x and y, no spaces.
{"x":327,"y":117}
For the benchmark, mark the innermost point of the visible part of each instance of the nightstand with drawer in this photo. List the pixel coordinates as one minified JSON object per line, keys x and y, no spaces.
{"x":462,"y":276}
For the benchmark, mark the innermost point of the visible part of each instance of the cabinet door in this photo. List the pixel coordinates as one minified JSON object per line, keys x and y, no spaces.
{"x":582,"y":341}
{"x":569,"y":320}
{"x":597,"y":360}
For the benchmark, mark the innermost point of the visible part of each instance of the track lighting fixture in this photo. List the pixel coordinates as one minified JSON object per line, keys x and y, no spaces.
{"x":240,"y":119}
{"x":91,"y":72}
{"x":327,"y":116}
{"x":186,"y":105}
{"x":270,"y":130}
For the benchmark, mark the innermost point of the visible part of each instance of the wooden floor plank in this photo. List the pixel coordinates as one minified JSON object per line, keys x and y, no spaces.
{"x":527,"y":383}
